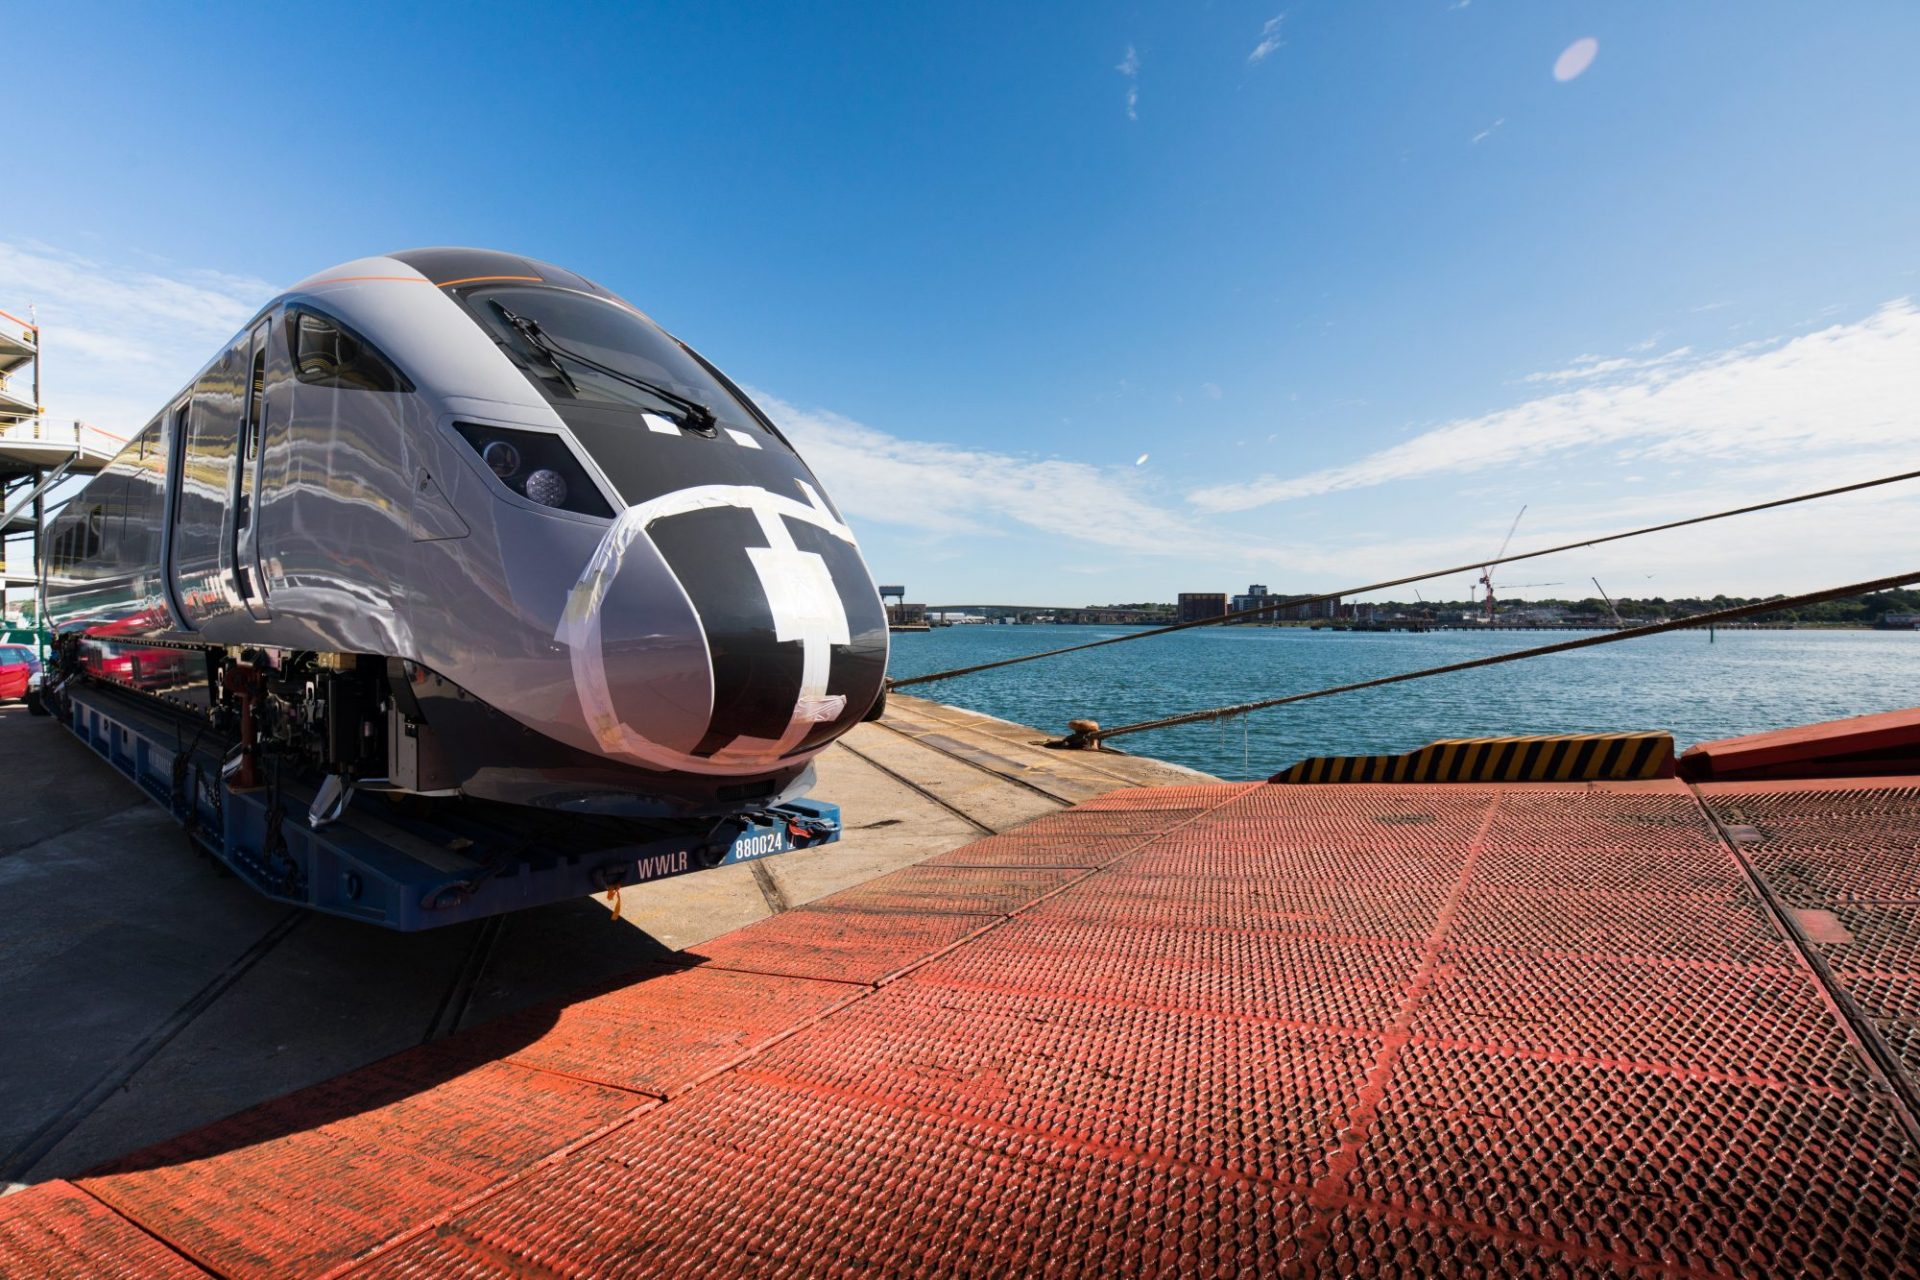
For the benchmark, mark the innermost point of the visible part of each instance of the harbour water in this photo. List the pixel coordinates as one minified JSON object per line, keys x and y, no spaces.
{"x":1741,"y":682}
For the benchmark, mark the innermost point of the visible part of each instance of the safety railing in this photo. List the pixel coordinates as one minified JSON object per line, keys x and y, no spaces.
{"x":83,"y":436}
{"x":21,"y":330}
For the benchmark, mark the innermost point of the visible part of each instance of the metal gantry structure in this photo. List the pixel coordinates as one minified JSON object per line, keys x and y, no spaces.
{"x":1486,"y":570}
{"x":35,"y":455}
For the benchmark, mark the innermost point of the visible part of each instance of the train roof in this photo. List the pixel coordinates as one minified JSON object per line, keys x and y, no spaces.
{"x":443,"y":267}
{"x":446,"y":267}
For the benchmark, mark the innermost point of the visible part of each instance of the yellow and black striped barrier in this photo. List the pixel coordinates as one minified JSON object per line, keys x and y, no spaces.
{"x":1546,"y":757}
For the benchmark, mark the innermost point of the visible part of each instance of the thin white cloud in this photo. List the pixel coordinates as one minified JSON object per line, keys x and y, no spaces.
{"x":1129,"y":67}
{"x":1270,"y":39}
{"x":1847,"y":388}
{"x":949,"y":489}
{"x":1857,"y":536}
{"x":1586,"y":368}
{"x":1849,"y":538}
{"x":117,"y":339}
{"x":1489,"y":131}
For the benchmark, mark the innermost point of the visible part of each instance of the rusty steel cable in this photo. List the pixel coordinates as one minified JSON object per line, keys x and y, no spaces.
{"x":1734,"y":614}
{"x":1295,"y":601}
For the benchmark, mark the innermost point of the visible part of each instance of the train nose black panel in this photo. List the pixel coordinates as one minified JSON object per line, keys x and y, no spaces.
{"x":796,"y":633}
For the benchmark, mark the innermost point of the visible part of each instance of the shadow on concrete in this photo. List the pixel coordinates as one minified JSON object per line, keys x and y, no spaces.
{"x":147,"y":992}
{"x":121,"y":1059}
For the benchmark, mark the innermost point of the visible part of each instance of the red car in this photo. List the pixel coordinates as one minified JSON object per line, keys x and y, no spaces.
{"x":17,"y":663}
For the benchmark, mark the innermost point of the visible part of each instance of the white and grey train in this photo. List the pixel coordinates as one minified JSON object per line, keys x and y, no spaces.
{"x":453,"y":521}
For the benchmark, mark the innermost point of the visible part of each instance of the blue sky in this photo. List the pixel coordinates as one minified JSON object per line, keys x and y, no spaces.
{"x":1357,"y":279}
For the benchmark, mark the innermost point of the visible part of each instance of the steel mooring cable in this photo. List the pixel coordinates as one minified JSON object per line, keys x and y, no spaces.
{"x":1295,"y":601}
{"x":1094,"y":736}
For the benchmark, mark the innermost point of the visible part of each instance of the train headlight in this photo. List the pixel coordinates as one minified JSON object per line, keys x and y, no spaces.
{"x":536,"y":466}
{"x":547,"y":487}
{"x":502,"y":458}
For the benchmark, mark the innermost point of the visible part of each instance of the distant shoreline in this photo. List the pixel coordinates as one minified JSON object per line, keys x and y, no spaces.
{"x":1419,"y":627}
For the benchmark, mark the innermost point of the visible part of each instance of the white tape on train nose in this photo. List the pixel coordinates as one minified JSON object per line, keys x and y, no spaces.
{"x":800,"y":594}
{"x":806,"y":608}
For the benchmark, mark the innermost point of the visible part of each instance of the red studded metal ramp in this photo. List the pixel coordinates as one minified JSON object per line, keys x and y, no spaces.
{"x":1884,"y":743}
{"x":1536,"y":1029}
{"x":58,"y":1230}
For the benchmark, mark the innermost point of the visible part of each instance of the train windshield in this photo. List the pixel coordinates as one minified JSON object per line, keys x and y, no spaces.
{"x":582,"y":349}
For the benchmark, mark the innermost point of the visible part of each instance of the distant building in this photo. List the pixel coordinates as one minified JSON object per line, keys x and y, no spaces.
{"x":1255,"y":597}
{"x":1258,"y":597}
{"x":1110,"y":614}
{"x":1198,"y":606}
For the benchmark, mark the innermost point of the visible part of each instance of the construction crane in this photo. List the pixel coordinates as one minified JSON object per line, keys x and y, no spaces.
{"x":1609,"y":599}
{"x":1486,"y":571}
{"x":1512,"y":586}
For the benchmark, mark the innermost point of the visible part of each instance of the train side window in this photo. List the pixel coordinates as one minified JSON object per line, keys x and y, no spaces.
{"x":328,"y":354}
{"x":113,"y":515}
{"x":256,"y":392}
{"x":133,"y":523}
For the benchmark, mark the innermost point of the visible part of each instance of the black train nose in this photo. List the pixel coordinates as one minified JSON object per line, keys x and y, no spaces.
{"x":794,"y":628}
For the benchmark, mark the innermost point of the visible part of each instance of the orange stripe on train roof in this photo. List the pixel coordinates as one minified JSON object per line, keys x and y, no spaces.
{"x":438,"y":284}
{"x":360,"y":279}
{"x":448,"y":284}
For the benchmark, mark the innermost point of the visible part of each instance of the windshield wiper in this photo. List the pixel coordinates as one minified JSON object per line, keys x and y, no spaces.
{"x":530,"y":331}
{"x":698,"y":417}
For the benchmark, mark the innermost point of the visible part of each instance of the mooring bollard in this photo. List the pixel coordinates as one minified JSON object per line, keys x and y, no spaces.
{"x":1081,"y":736}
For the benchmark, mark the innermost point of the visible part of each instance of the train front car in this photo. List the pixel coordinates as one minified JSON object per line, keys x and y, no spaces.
{"x":478,"y":526}
{"x":715,"y":626}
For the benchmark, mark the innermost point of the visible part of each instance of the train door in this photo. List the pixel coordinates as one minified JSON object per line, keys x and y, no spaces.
{"x":201,"y":489}
{"x":244,"y":553}
{"x":174,"y":444}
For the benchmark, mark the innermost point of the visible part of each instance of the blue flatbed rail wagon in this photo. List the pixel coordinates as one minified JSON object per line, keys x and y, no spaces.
{"x":414,"y":862}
